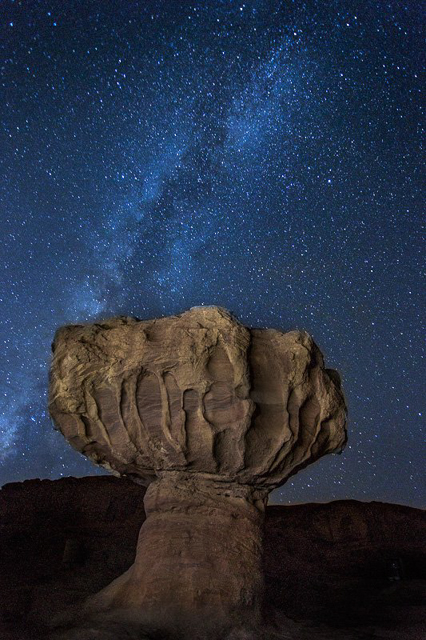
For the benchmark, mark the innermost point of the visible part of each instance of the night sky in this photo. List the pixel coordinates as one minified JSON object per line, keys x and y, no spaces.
{"x":261,"y":155}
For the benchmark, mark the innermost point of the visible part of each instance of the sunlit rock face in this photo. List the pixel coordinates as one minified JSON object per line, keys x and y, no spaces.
{"x":211,"y":416}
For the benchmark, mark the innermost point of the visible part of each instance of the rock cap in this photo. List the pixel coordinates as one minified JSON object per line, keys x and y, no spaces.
{"x":196,"y":393}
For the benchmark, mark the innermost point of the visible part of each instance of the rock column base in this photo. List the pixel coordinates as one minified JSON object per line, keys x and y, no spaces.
{"x":198,"y":560}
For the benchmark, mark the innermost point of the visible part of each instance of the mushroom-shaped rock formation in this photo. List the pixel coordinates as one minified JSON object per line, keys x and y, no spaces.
{"x":211,"y":416}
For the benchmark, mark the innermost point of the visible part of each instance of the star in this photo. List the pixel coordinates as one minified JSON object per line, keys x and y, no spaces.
{"x":261,"y":156}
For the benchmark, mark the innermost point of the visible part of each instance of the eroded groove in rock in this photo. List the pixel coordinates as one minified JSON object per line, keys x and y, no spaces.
{"x":210,"y":416}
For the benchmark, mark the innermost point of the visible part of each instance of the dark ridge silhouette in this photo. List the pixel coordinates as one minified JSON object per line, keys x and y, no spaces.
{"x":344,"y":569}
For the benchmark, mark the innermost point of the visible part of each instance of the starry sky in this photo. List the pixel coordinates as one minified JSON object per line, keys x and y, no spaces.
{"x":259,"y":155}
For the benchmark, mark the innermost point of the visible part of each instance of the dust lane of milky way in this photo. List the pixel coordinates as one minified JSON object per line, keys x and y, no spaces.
{"x":262,"y":156}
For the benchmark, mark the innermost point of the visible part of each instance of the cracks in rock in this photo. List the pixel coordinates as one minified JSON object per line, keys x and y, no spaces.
{"x":93,"y":414}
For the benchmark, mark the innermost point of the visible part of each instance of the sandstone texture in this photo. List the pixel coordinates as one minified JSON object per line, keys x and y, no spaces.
{"x":326,"y":566}
{"x":196,"y":393}
{"x":210,"y":416}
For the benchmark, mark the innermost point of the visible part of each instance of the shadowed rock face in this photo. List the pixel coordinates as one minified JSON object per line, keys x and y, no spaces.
{"x":210,"y":416}
{"x":63,"y":540}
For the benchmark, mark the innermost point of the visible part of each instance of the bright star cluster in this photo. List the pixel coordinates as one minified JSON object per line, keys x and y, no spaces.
{"x":260,"y":155}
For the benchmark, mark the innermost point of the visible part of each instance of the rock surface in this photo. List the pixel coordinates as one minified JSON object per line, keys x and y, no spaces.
{"x":212,"y":416}
{"x":195,"y":393}
{"x":327,"y":566}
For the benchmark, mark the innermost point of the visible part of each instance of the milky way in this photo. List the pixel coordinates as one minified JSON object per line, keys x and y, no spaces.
{"x":262,"y":156}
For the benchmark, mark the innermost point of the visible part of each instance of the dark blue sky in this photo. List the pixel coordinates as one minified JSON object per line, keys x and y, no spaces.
{"x":259,"y":155}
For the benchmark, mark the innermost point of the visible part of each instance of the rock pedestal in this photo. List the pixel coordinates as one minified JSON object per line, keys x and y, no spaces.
{"x":199,"y":555}
{"x":211,"y":416}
